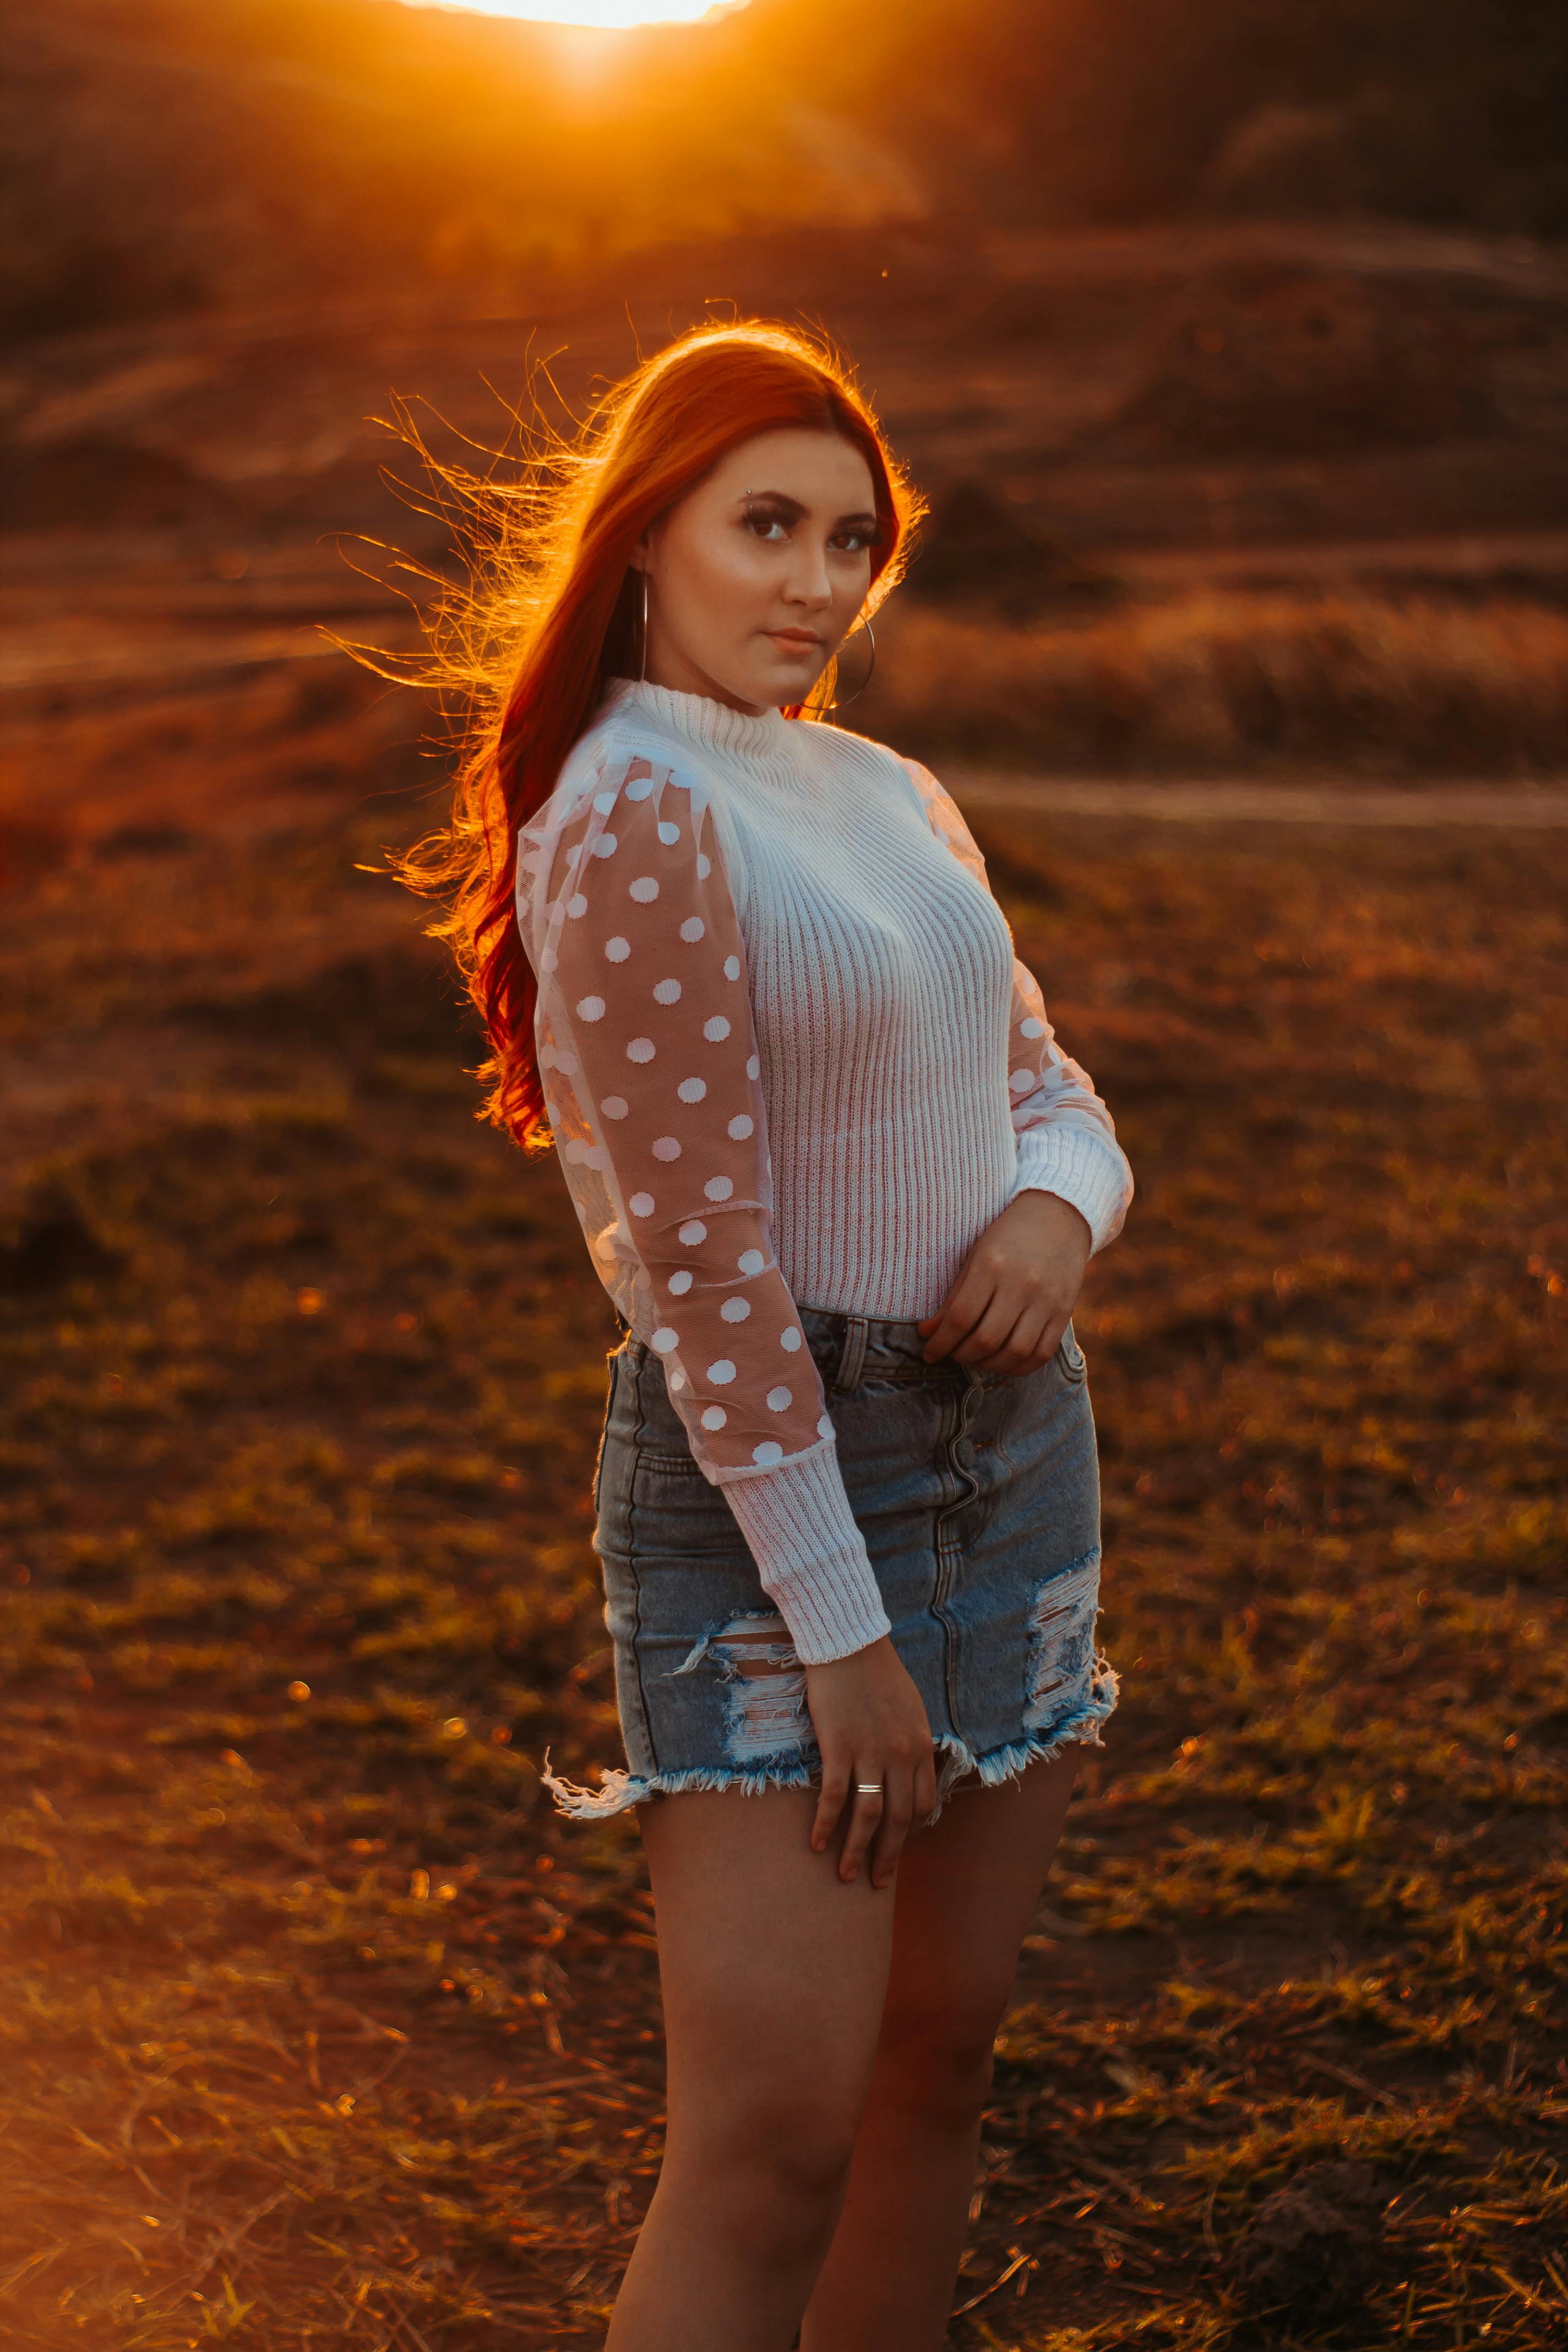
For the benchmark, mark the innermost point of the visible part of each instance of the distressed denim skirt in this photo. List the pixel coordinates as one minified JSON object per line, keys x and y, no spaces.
{"x":978,"y":1496}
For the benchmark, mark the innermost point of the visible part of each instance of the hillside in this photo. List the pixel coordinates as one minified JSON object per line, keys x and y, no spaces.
{"x":163,"y":154}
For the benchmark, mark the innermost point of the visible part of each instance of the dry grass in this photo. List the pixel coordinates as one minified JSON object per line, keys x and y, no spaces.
{"x":319,"y":2032}
{"x":1218,"y":682}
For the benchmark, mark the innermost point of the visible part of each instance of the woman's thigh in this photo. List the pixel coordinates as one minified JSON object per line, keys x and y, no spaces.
{"x":779,"y":1982}
{"x":967,"y":1890}
{"x":774,"y":1972}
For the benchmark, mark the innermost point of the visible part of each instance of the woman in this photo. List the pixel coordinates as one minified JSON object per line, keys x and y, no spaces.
{"x":744,"y":968}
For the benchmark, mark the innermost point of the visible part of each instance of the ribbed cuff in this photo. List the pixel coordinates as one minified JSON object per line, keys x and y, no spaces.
{"x":1087,"y":1169}
{"x":811,"y":1556}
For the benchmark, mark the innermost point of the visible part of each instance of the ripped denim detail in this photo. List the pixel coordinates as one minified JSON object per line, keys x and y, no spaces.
{"x":1071,"y":1689}
{"x":1065,"y":1670}
{"x":768,"y":1739}
{"x":766,"y":1710}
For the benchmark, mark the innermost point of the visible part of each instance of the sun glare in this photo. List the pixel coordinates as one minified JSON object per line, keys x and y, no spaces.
{"x":608,"y":14}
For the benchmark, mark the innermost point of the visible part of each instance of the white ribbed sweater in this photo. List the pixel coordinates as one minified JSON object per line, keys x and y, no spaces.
{"x":791,"y":1059}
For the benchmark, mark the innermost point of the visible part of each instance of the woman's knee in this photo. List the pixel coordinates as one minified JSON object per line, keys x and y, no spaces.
{"x":935,"y":2058}
{"x":785,"y":2158}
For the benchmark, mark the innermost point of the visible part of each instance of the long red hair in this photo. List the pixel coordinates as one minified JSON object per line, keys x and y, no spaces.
{"x":551,"y":614}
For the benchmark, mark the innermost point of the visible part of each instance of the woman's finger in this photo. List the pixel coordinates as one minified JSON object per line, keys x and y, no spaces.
{"x":991,"y":1333}
{"x":830,"y":1803}
{"x":1023,"y":1349}
{"x":898,"y":1813}
{"x":925,"y":1787}
{"x":959,"y":1313}
{"x":865,"y":1813}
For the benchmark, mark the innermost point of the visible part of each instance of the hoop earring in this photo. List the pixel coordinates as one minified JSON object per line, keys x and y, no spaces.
{"x":840,"y":703}
{"x":644,"y":672}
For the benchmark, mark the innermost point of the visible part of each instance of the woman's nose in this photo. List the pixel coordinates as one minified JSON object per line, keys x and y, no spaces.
{"x":809,"y":583}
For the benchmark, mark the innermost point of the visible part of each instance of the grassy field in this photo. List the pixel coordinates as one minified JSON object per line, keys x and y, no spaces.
{"x":1342,"y":681}
{"x":321,"y":2030}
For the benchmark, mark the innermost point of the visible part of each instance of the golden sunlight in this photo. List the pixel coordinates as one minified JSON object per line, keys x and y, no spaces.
{"x":608,"y":14}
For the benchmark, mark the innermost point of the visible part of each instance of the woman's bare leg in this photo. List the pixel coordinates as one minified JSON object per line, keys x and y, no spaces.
{"x":774,"y":1976}
{"x":965,"y":1891}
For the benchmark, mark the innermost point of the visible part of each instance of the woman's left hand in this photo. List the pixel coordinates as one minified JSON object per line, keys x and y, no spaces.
{"x":1015,"y":1291}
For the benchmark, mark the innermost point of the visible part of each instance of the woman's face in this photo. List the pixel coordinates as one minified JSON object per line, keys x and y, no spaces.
{"x":756,"y":577}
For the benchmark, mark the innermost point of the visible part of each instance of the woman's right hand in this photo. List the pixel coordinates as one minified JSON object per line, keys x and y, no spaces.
{"x":871,"y":1726}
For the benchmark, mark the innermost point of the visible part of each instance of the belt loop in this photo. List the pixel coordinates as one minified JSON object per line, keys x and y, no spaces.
{"x":852,"y":1356}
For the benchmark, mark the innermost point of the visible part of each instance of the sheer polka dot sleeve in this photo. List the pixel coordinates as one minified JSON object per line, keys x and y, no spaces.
{"x":653,"y":1086}
{"x":1067,"y":1138}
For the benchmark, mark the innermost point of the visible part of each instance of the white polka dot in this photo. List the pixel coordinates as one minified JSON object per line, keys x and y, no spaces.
{"x":752,"y":1261}
{"x":644,"y":888}
{"x":692,"y":1089}
{"x":825,"y":1426}
{"x":792,"y":1338}
{"x":675,"y":1380}
{"x":667,"y":833}
{"x":704,"y":866}
{"x":779,"y":1399}
{"x":605,"y":846}
{"x":692,"y":929}
{"x":617,"y":948}
{"x":549,"y":960}
{"x":604,"y":802}
{"x":719,"y":1187}
{"x":721,"y":1373}
{"x":681,"y":1283}
{"x":753,"y":1066}
{"x":576,"y":905}
{"x":664,"y":1339}
{"x":735,"y":1311}
{"x":667,"y":992}
{"x":769,"y":1452}
{"x":639,"y":789}
{"x":641,"y":1049}
{"x":740,"y":1127}
{"x":641,"y":1204}
{"x":566,"y":1063}
{"x":1019,"y":1079}
{"x":589,"y":1008}
{"x":665,"y":1147}
{"x":715,"y":1027}
{"x":714,"y":1416}
{"x":732,"y":967}
{"x":1031,"y":1027}
{"x":615,"y":1106}
{"x":693,"y":1232}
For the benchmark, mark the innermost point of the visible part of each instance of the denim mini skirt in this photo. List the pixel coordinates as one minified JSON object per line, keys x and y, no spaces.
{"x":978,"y":1496}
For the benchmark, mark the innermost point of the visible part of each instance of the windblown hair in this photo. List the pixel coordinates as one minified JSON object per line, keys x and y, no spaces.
{"x":550,"y":614}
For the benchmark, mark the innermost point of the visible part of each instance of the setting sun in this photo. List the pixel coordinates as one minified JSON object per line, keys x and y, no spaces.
{"x":614,"y":15}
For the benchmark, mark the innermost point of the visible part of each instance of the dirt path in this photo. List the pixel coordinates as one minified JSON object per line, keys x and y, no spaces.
{"x":1530,"y":805}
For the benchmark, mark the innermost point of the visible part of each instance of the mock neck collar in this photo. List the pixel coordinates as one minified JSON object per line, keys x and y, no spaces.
{"x":699,"y":718}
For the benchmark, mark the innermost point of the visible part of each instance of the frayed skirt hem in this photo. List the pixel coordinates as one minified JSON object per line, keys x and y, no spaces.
{"x":620,"y":1790}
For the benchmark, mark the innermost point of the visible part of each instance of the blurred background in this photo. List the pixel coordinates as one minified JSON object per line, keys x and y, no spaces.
{"x":1229,"y":340}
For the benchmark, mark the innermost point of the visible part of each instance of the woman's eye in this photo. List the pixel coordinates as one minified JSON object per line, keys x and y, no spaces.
{"x":765,"y":526}
{"x":851,"y":543}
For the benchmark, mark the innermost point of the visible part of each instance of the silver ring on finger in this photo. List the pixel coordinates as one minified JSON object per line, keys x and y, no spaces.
{"x":868,"y":1788}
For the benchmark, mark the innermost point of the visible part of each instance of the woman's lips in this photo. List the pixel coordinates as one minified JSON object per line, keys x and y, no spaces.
{"x":797,"y":640}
